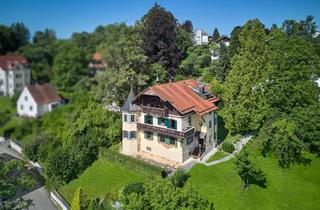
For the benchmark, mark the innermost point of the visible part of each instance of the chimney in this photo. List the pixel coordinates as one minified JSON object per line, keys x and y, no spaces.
{"x":201,"y":89}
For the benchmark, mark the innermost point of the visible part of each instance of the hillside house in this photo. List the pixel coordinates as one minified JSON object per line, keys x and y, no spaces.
{"x":35,"y":100}
{"x":14,"y":74}
{"x":200,"y":37}
{"x":97,"y":64}
{"x":174,"y":121}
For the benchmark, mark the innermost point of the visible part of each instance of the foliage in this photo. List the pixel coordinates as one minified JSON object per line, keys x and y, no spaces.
{"x":279,"y":138}
{"x":228,"y":147}
{"x":305,"y":28}
{"x":11,"y":38}
{"x":126,"y":64}
{"x":98,"y":204}
{"x":217,"y":88}
{"x":245,"y":108}
{"x":14,"y":175}
{"x":162,"y":194}
{"x":159,"y":38}
{"x":80,"y":200}
{"x":69,"y":65}
{"x":183,"y":41}
{"x":249,"y":171}
{"x":179,"y":178}
{"x":223,"y":64}
{"x":45,"y":37}
{"x":187,"y":26}
{"x":234,"y":46}
{"x":198,"y":58}
{"x":134,"y":187}
{"x":215,"y":34}
{"x":135,"y":165}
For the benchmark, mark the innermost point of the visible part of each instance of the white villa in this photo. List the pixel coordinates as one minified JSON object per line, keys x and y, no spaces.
{"x":174,"y":121}
{"x":200,"y":37}
{"x":35,"y":100}
{"x":14,"y":74}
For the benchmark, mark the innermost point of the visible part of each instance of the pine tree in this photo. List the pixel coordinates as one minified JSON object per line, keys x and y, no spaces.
{"x":215,"y":34}
{"x":79,"y":200}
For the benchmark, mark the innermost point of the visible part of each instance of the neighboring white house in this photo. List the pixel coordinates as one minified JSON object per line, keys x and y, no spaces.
{"x":223,"y":39}
{"x":14,"y":74}
{"x":200,"y":37}
{"x":36,"y":100}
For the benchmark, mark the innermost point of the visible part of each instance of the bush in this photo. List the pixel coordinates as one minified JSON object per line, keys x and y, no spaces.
{"x":179,"y":178}
{"x":135,"y":187}
{"x":228,"y":147}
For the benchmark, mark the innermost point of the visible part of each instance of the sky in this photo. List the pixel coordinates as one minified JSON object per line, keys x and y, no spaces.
{"x":68,"y":16}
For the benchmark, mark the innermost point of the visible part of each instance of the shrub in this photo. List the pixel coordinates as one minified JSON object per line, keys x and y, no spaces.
{"x":228,"y":147}
{"x":179,"y":178}
{"x":135,"y":187}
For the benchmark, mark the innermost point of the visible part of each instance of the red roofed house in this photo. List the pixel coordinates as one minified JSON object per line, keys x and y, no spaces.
{"x":14,"y":74}
{"x":174,"y":121}
{"x":35,"y":100}
{"x":97,"y":64}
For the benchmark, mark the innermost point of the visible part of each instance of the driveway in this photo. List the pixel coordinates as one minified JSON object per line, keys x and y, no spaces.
{"x":40,"y":199}
{"x":40,"y":196}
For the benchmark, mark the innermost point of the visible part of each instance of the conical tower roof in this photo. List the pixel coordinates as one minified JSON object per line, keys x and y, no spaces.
{"x":128,"y":105}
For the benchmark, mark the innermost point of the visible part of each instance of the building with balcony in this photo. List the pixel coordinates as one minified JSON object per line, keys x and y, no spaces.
{"x":14,"y":74}
{"x":175,"y":121}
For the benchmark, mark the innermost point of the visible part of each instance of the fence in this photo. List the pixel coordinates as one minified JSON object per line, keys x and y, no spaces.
{"x":58,"y":199}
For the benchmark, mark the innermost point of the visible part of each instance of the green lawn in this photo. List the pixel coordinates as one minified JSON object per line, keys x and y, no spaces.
{"x":101,"y":178}
{"x":294,"y":188}
{"x":218,"y":155}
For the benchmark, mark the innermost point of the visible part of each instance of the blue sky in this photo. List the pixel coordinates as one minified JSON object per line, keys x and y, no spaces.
{"x":68,"y":16}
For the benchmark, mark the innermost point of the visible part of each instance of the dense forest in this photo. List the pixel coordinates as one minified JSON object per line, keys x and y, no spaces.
{"x":266,"y":79}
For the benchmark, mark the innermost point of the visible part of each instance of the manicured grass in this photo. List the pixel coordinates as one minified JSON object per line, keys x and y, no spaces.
{"x":101,"y":178}
{"x":294,"y":188}
{"x":218,"y":155}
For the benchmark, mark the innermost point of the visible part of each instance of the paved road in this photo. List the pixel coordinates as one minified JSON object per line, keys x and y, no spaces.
{"x":40,"y":199}
{"x":39,"y":196}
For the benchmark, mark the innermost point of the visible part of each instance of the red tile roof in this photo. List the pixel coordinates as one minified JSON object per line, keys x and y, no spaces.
{"x":182,"y":96}
{"x":96,"y":56}
{"x":43,"y":94}
{"x":8,"y":61}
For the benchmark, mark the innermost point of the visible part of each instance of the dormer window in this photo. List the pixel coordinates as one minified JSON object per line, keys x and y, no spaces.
{"x":125,"y":118}
{"x":26,"y":98}
{"x":132,"y":118}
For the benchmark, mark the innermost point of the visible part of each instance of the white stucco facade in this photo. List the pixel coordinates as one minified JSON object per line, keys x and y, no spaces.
{"x":14,"y":80}
{"x":200,"y":37}
{"x":28,"y":107}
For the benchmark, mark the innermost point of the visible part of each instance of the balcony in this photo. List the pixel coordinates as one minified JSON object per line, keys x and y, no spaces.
{"x":155,"y":110}
{"x":166,"y":131}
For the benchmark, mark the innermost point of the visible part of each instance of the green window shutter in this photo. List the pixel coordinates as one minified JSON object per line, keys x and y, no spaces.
{"x":145,"y":119}
{"x":167,"y":123}
{"x":159,"y":120}
{"x":175,"y":124}
{"x":151,"y":120}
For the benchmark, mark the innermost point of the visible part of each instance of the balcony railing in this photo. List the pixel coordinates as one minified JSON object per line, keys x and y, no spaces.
{"x":155,"y":110}
{"x":166,"y":131}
